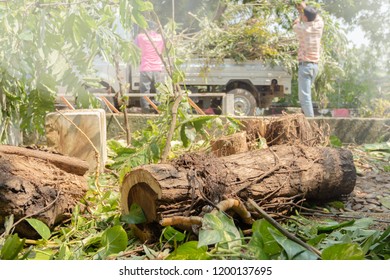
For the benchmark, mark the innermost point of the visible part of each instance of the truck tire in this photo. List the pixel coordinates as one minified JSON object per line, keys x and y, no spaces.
{"x":244,"y":102}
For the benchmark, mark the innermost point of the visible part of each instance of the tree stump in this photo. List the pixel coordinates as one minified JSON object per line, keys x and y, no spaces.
{"x":289,"y":129}
{"x":186,"y":186}
{"x":229,"y":145}
{"x":39,"y":185}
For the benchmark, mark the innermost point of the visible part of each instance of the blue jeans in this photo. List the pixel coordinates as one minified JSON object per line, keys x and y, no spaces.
{"x":147,"y":84}
{"x":307,"y":73}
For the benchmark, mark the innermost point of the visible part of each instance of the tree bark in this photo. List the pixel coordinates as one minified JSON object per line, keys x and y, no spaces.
{"x":184,"y":187}
{"x":39,"y":185}
{"x":230,"y":145}
{"x":68,"y":164}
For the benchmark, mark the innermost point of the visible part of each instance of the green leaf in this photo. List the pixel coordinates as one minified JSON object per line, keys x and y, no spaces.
{"x":13,"y":245}
{"x":116,"y":146}
{"x":190,"y":251}
{"x":363,"y":223}
{"x":293,"y":250}
{"x":141,"y":5}
{"x":46,"y":83}
{"x":64,"y":253}
{"x":114,"y":240}
{"x":218,"y":228}
{"x":262,"y":242}
{"x":26,"y":35}
{"x":172,"y":234}
{"x":183,"y":136}
{"x":385,"y":201}
{"x":136,"y":215}
{"x":43,"y":255}
{"x":139,"y":19}
{"x":335,"y":141}
{"x":385,"y":147}
{"x":8,"y":224}
{"x":337,"y":204}
{"x":178,"y":76}
{"x":346,"y":251}
{"x":190,"y":133}
{"x":317,"y":239}
{"x":200,"y":122}
{"x":40,"y":227}
{"x":156,"y":152}
{"x":332,"y":225}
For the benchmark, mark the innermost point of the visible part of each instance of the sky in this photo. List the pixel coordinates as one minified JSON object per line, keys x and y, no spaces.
{"x":357,"y":37}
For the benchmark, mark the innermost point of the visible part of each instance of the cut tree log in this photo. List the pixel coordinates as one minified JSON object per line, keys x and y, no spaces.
{"x":39,"y":185}
{"x":193,"y":183}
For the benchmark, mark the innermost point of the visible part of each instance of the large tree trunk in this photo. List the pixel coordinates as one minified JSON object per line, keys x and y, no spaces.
{"x":39,"y":185}
{"x":184,"y":187}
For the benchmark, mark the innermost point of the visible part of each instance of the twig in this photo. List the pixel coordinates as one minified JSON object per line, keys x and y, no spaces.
{"x":172,"y":128}
{"x":282,"y":230}
{"x":196,"y":107}
{"x":151,"y":103}
{"x":116,"y":120}
{"x":67,"y":103}
{"x":139,"y":249}
{"x":121,"y":93}
{"x":60,"y":4}
{"x":109,"y":105}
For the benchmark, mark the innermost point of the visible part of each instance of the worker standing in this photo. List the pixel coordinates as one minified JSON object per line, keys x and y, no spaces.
{"x":308,"y":28}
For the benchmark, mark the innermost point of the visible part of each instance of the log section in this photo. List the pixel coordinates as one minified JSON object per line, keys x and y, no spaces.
{"x":40,"y":185}
{"x":185,"y":186}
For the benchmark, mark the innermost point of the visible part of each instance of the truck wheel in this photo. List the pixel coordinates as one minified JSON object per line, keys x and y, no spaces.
{"x":244,"y":102}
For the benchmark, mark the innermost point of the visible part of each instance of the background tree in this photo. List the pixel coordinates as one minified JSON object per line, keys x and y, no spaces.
{"x":365,"y":84}
{"x":48,"y":45}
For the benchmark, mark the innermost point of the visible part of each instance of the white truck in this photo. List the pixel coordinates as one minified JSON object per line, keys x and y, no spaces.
{"x":253,"y":84}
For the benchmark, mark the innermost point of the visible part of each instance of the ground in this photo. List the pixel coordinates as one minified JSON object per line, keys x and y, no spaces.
{"x":371,"y":195}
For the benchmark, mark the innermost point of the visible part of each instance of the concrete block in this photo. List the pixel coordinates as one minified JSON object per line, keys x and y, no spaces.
{"x":68,"y":132}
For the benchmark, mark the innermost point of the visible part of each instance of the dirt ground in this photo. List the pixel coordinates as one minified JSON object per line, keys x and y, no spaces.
{"x":371,"y":195}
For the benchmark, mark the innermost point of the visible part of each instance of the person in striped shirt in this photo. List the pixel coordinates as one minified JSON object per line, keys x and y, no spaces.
{"x":308,"y":28}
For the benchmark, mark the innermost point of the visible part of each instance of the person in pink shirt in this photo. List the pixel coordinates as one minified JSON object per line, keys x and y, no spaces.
{"x":308,"y":28}
{"x":151,"y":67}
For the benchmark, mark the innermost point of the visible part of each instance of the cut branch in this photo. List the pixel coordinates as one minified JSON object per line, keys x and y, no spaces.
{"x":276,"y":177}
{"x":282,"y":230}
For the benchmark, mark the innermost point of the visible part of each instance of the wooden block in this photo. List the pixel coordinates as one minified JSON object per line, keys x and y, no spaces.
{"x":68,"y":133}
